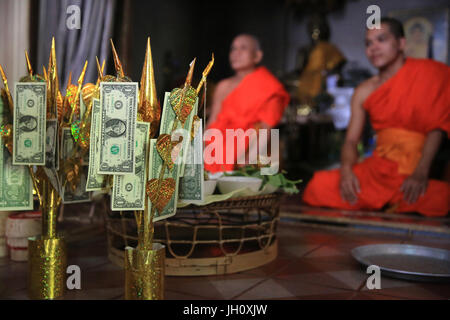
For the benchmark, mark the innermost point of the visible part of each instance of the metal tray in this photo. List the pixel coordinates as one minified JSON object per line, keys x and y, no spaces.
{"x":406,"y":261}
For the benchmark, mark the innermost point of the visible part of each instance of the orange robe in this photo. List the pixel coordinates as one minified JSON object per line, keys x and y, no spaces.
{"x":415,"y":101}
{"x":259,"y":97}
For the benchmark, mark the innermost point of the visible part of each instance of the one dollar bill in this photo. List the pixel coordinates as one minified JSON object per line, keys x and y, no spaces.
{"x":191,"y":184}
{"x":95,"y":181}
{"x":51,"y":154}
{"x":16,"y":187}
{"x":29,"y":123}
{"x":168,"y":118}
{"x":129,"y":190}
{"x":118,"y":125}
{"x":79,"y":194}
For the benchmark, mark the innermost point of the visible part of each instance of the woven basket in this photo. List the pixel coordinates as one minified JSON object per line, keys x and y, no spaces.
{"x":223,"y":237}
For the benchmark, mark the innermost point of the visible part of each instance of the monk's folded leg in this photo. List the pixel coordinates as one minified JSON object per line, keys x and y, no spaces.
{"x":323,"y":191}
{"x":377,"y":186}
{"x":434,"y":203}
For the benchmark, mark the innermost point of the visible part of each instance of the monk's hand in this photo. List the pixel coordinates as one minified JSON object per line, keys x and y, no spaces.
{"x":349,"y":186}
{"x":414,"y":186}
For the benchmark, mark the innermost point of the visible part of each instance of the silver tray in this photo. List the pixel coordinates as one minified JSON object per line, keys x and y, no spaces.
{"x":406,"y":261}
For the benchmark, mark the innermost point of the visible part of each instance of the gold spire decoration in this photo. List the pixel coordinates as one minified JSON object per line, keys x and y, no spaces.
{"x":6,"y":91}
{"x":149,"y":109}
{"x":205,"y":74}
{"x":44,"y":73}
{"x":99,"y":71}
{"x":53,"y":94}
{"x":190,"y":73}
{"x":117,"y":63}
{"x":77,"y":95}
{"x":30,"y":69}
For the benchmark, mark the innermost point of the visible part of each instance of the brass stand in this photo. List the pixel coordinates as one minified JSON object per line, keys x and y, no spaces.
{"x":47,"y":255}
{"x":144,"y":273}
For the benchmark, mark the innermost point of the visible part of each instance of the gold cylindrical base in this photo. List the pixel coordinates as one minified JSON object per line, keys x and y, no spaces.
{"x":144,"y":273}
{"x":47,"y":264}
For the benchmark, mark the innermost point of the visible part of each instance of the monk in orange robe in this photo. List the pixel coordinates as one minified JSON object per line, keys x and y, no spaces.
{"x":252,"y":98}
{"x":408,"y":104}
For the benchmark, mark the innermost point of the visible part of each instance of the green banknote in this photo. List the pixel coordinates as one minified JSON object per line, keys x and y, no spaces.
{"x":67,"y":143}
{"x":51,"y":143}
{"x":167,"y":119}
{"x":191,"y":184}
{"x":155,"y":165}
{"x":117,"y":127}
{"x":51,"y":149}
{"x":128,"y":191}
{"x":80,"y":194}
{"x":95,"y":181}
{"x":29,"y":123}
{"x":16,"y":187}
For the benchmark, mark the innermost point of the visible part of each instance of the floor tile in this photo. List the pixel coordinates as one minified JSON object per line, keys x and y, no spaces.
{"x":313,"y":263}
{"x":268,"y":289}
{"x":303,"y":289}
{"x":271,"y":268}
{"x":296,"y":251}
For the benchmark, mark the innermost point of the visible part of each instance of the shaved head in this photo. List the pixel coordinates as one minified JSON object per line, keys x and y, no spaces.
{"x":245,"y":53}
{"x":254,"y":40}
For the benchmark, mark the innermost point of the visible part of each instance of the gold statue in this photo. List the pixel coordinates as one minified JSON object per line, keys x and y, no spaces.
{"x":323,"y":58}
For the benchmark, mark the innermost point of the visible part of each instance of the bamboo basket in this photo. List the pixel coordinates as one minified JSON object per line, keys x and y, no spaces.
{"x":220,"y":238}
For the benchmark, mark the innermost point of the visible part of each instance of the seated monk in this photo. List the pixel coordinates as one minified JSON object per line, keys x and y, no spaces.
{"x":252,"y":98}
{"x":408,"y":105}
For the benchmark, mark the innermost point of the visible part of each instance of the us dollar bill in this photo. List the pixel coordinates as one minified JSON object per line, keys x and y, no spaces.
{"x":29,"y":123}
{"x":118,"y":125}
{"x":191,"y":184}
{"x":67,"y":194}
{"x":95,"y":181}
{"x":51,"y":144}
{"x":128,"y":191}
{"x":80,"y":194}
{"x":16,"y":186}
{"x":155,"y":166}
{"x":51,"y":153}
{"x":167,"y":120}
{"x":67,"y":143}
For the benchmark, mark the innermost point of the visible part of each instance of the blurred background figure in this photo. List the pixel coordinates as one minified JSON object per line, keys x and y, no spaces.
{"x":251,"y":99}
{"x":408,"y":105}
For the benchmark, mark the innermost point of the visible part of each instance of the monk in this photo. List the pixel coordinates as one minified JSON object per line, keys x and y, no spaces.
{"x":252,"y":98}
{"x":408,"y":105}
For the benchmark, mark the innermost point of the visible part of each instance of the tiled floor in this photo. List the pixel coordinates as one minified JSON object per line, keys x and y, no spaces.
{"x":313,"y":263}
